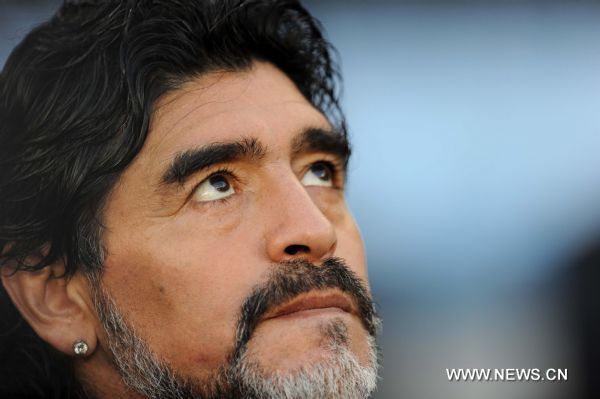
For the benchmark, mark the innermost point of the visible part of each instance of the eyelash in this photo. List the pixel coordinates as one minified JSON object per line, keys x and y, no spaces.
{"x":221,"y":171}
{"x":336,"y":171}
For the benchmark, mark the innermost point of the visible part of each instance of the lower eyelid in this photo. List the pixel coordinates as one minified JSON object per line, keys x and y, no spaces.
{"x":213,"y":203}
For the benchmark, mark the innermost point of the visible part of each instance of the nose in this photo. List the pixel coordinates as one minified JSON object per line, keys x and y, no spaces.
{"x":298,"y":228}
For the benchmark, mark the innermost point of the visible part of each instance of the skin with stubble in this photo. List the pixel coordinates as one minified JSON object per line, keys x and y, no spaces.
{"x":193,"y":248}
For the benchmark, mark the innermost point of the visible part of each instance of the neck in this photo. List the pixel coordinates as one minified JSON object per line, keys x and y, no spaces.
{"x":99,"y":379}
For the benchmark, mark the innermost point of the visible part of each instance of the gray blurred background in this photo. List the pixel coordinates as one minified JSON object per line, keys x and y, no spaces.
{"x":475,"y":180}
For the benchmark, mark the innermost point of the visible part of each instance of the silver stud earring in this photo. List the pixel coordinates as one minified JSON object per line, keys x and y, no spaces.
{"x":80,"y":347}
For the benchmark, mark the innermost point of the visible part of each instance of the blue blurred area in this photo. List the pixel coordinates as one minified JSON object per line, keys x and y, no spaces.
{"x":475,"y":178}
{"x":476,"y":133}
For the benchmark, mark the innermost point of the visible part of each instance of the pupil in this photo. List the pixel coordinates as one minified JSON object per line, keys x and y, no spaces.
{"x":219,"y":183}
{"x":321,"y":171}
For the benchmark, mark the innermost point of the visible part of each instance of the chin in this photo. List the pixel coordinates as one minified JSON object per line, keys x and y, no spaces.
{"x":321,"y":363}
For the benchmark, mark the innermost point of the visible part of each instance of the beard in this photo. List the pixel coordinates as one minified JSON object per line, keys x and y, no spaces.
{"x":337,"y":375}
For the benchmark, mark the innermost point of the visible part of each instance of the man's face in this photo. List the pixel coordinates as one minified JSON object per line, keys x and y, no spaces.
{"x":239,"y":175}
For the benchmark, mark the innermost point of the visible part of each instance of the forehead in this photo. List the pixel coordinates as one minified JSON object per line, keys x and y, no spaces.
{"x":261,"y":102}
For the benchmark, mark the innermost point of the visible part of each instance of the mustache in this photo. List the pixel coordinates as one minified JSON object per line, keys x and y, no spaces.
{"x":290,"y":279}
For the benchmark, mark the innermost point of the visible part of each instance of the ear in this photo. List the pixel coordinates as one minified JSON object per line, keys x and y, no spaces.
{"x":57,"y":308}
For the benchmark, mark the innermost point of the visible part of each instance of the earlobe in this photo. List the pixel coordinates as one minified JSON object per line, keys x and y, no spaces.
{"x":54,"y":307}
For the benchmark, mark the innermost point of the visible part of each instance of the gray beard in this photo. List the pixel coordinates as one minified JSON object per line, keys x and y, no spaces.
{"x":337,"y":375}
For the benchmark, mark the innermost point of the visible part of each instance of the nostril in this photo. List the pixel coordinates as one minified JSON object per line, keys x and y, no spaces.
{"x":295,"y":249}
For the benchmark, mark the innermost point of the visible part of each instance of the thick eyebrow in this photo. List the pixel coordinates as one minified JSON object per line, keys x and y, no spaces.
{"x":322,"y":140}
{"x":187,"y":163}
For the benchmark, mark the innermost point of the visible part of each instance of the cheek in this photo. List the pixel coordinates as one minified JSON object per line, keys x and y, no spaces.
{"x":350,"y":246}
{"x":182,"y":293}
{"x":331,"y":202}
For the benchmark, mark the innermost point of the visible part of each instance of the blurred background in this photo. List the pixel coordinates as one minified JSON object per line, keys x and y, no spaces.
{"x":475,"y":180}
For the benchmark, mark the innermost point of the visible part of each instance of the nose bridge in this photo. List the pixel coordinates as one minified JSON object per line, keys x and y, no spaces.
{"x":297,"y":227}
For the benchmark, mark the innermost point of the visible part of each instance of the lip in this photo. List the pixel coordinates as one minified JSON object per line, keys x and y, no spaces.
{"x":304,"y":304}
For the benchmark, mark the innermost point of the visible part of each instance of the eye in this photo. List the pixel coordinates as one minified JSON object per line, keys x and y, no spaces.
{"x":214,"y":188}
{"x":319,"y":174}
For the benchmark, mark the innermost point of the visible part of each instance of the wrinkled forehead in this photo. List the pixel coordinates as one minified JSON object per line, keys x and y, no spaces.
{"x":260,"y":102}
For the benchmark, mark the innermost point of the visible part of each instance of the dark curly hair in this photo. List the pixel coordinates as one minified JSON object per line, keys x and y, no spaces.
{"x":76,"y":98}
